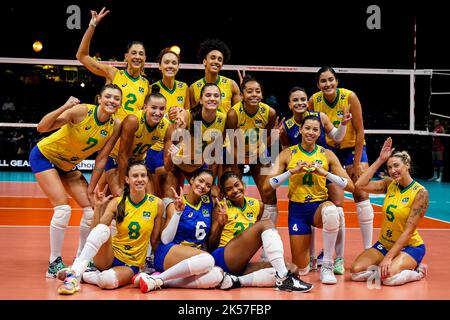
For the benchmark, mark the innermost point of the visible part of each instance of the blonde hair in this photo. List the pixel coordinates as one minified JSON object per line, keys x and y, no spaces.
{"x":403,"y":155}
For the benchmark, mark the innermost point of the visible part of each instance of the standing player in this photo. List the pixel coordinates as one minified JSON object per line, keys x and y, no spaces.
{"x":351,"y":151}
{"x":83,"y":130}
{"x":437,"y":152}
{"x":134,"y":86}
{"x":399,"y":251}
{"x":119,"y":257}
{"x":213,"y":53}
{"x":308,"y":168}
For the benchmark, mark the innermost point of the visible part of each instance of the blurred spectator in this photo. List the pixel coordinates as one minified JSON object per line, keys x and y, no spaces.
{"x":8,"y":105}
{"x":437,"y":152}
{"x":97,"y":57}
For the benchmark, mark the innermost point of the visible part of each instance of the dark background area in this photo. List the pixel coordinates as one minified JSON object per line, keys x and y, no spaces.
{"x":272,"y":33}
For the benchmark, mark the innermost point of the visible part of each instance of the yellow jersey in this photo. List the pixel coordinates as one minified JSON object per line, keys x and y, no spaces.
{"x":73,"y":143}
{"x":145,"y":138}
{"x":239,"y":219}
{"x":396,"y":209}
{"x":212,"y":130}
{"x":250,"y":124}
{"x":175,"y":97}
{"x":130,"y":243}
{"x":134,"y":91}
{"x":307,"y":186}
{"x":224,"y":85}
{"x":335,"y":111}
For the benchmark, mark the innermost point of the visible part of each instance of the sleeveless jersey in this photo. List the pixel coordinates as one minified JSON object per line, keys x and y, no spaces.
{"x":304,"y":186}
{"x":73,"y":143}
{"x":292,"y":129}
{"x":210,"y":131}
{"x":335,"y":111}
{"x":250,"y":126}
{"x":396,"y":209}
{"x":134,"y":91}
{"x":239,"y":219}
{"x":175,"y":97}
{"x":195,"y":223}
{"x":133,"y":233}
{"x":224,"y":85}
{"x":145,"y":138}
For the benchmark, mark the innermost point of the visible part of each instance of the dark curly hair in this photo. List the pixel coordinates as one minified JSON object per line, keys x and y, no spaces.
{"x":213,"y":44}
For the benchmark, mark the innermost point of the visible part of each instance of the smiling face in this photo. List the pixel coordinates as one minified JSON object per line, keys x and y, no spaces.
{"x":234,"y":189}
{"x":135,"y":57}
{"x":137,"y":177}
{"x":397,"y":168}
{"x":298,"y":102}
{"x":213,"y":61}
{"x":252,"y":93}
{"x":210,"y":98}
{"x":310,"y":131}
{"x":201,"y":184}
{"x":327,"y":83}
{"x":154,"y":110}
{"x":110,"y":100}
{"x":169,"y":65}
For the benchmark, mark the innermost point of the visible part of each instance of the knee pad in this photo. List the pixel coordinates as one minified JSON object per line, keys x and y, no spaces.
{"x":330,"y":218}
{"x":341,"y":217}
{"x":362,"y":276}
{"x":98,"y":236}
{"x":88,"y":216}
{"x":272,"y":244}
{"x":200,"y":263}
{"x":108,"y":279}
{"x":61,"y":216}
{"x":214,"y":278}
{"x":365,"y":212}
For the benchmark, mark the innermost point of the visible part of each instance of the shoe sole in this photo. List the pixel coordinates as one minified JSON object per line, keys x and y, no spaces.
{"x":295,"y":291}
{"x":50,"y":275}
{"x":339,"y":272}
{"x":69,"y":292}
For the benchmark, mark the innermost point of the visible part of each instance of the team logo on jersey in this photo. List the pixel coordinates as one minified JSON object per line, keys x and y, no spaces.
{"x":141,"y":90}
{"x":391,"y":195}
{"x":199,"y":84}
{"x":90,"y":112}
{"x":415,"y":188}
{"x":343,"y":96}
{"x":155,"y":138}
{"x":103,"y":133}
{"x":249,"y":215}
{"x":319,"y":99}
{"x":180,"y":99}
{"x":319,"y":162}
{"x":124,"y":85}
{"x":405,"y":200}
{"x":294,"y":151}
{"x":235,"y":217}
{"x":146,"y":214}
{"x":190,"y":214}
{"x":251,"y":202}
{"x":161,"y":124}
{"x":296,"y":134}
{"x":222,"y":94}
{"x":321,"y":150}
{"x":87,"y":128}
{"x":205,"y":199}
{"x":389,"y":233}
{"x":263,"y":109}
{"x":258,"y":122}
{"x":340,"y":113}
{"x":308,"y":198}
{"x":179,"y":85}
{"x":289,"y":123}
{"x":205,"y":212}
{"x":224,"y":80}
{"x":127,"y":247}
{"x":151,"y":198}
{"x":219,"y":120}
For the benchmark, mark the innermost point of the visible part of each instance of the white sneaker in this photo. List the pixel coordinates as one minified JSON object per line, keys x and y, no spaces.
{"x":229,"y":281}
{"x":327,"y":273}
{"x":423,"y":269}
{"x":148,"y":283}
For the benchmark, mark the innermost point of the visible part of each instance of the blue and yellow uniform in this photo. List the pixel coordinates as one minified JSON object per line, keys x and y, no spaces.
{"x":175,"y":97}
{"x":250,"y":124}
{"x":226,"y":93}
{"x":306,"y":189}
{"x":134,"y":232}
{"x":292,"y":128}
{"x":72,"y":143}
{"x":345,"y":150}
{"x":193,"y":228}
{"x":134,"y":91}
{"x":212,"y":130}
{"x":239,"y":219}
{"x":396,"y":210}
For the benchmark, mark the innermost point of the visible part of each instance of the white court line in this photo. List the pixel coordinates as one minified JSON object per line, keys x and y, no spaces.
{"x":31,"y":209}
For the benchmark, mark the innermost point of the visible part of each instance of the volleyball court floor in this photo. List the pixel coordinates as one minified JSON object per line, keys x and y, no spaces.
{"x":25,"y":215}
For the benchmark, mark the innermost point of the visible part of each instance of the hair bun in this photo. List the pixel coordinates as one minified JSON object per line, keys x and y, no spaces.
{"x":155,"y":89}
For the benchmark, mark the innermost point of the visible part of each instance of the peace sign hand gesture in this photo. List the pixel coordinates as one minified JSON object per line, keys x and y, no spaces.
{"x":179,"y":202}
{"x":97,"y":17}
{"x":279,"y":125}
{"x":222,"y":216}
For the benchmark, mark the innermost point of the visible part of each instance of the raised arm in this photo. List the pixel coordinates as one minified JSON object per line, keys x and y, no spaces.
{"x":83,"y":56}
{"x":68,"y":112}
{"x":364,"y":183}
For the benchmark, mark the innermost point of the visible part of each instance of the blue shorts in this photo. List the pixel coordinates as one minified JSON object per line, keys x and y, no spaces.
{"x":119,"y":263}
{"x":40,"y":163}
{"x":154,"y":159}
{"x":301,"y":217}
{"x":416,"y":252}
{"x":160,"y":255}
{"x":111,"y":163}
{"x":347,"y":155}
{"x":219,"y":258}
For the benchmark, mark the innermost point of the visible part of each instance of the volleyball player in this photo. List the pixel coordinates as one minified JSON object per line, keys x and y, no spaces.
{"x":308,"y":166}
{"x":119,"y":257}
{"x":351,"y":151}
{"x":83,"y":130}
{"x":399,"y":251}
